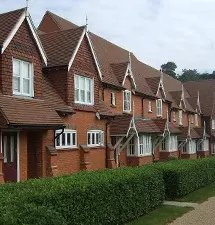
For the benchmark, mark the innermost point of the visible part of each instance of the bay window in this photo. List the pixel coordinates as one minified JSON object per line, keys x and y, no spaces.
{"x":22,"y":78}
{"x":205,"y":145}
{"x":95,"y":138}
{"x":84,"y":90}
{"x":68,"y":139}
{"x":145,"y":146}
{"x":131,"y":147}
{"x":126,"y":101}
{"x":159,"y":107}
{"x":190,"y":147}
{"x":170,"y":144}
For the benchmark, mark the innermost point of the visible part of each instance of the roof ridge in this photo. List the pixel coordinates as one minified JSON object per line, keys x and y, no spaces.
{"x":62,"y":31}
{"x":195,"y":81}
{"x":13,"y":11}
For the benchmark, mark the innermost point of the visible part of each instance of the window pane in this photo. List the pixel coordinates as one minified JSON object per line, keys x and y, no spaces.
{"x":26,"y":70}
{"x":58,"y":141}
{"x":68,"y":139}
{"x":88,"y":97}
{"x":77,"y":95}
{"x":98,"y":138}
{"x":89,"y":138}
{"x":93,"y":138}
{"x":82,"y":96}
{"x":88,"y":84}
{"x":16,"y":67}
{"x":16,"y":84}
{"x":74,"y":139}
{"x":26,"y":86}
{"x":63,"y":139}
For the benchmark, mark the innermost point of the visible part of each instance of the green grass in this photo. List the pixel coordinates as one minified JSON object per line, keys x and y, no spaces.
{"x":161,"y":216}
{"x":199,"y":195}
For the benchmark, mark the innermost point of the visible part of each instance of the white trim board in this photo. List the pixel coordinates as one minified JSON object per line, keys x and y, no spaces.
{"x":25,"y":15}
{"x":129,"y":73}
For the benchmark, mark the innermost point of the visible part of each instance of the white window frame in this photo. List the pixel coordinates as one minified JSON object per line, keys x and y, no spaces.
{"x":159,"y":107}
{"x":190,"y":147}
{"x":113,"y":98}
{"x":174,"y":116}
{"x":77,"y":79}
{"x":192,"y":121}
{"x":93,"y":134}
{"x":196,"y":120}
{"x":180,"y":116}
{"x":205,"y":145}
{"x":145,"y":145}
{"x":20,"y":76}
{"x":131,"y":147}
{"x":66,"y":131}
{"x":150,"y":106}
{"x":213,"y":124}
{"x":127,"y":100}
{"x":170,"y":144}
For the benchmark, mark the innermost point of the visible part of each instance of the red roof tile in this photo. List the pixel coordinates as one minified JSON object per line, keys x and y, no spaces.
{"x":7,"y":22}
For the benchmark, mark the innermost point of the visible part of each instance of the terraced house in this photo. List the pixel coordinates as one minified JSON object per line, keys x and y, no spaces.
{"x":71,"y":100}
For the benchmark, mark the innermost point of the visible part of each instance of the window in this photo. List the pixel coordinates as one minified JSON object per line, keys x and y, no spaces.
{"x":170,"y":144}
{"x":22,"y":78}
{"x":150,"y":106}
{"x":95,"y":138}
{"x":192,"y":119}
{"x":180,"y":117}
{"x":196,"y":120}
{"x":174,"y":116}
{"x":113,"y":98}
{"x":213,"y":124}
{"x":131,"y":147}
{"x":190,"y":147}
{"x":127,"y":101}
{"x":84,"y":90}
{"x":205,"y":145}
{"x":145,"y":145}
{"x":68,"y":139}
{"x":159,"y":107}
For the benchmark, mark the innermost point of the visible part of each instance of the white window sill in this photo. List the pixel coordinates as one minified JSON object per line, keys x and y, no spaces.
{"x":188,"y":153}
{"x":150,"y":111}
{"x":95,"y":146}
{"x":66,"y":147}
{"x":22,"y":96}
{"x":84,"y":103}
{"x":127,"y":111}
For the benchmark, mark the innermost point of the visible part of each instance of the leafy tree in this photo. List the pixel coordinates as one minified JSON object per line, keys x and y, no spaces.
{"x":189,"y":75}
{"x":169,"y":68}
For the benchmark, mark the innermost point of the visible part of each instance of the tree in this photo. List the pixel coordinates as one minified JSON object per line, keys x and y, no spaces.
{"x":169,"y":68}
{"x":189,"y":75}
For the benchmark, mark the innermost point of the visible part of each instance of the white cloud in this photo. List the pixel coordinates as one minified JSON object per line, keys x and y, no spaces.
{"x":156,"y":31}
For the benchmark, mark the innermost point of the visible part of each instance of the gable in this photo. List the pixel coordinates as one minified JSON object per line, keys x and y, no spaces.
{"x":47,"y":24}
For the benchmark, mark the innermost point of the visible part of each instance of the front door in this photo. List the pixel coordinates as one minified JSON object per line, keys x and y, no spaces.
{"x":9,"y":150}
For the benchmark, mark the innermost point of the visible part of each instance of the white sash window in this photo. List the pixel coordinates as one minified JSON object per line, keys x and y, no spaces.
{"x":127,"y":101}
{"x":68,"y":139}
{"x":145,"y":145}
{"x":159,"y":107}
{"x":95,"y":138}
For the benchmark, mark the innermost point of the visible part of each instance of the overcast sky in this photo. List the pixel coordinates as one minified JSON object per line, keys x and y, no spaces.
{"x":156,"y":31}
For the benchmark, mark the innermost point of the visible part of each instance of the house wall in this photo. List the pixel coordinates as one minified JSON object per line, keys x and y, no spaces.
{"x":21,"y":47}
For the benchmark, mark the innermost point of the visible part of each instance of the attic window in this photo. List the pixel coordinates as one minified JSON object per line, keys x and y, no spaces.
{"x":174,"y":116}
{"x":113,"y":98}
{"x":213,"y":124}
{"x":127,"y":101}
{"x":150,"y":106}
{"x":22,"y":78}
{"x":196,"y":120}
{"x":159,"y":107}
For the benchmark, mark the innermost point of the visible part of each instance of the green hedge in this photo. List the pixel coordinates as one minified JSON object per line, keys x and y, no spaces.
{"x":101,"y":197}
{"x":182,"y":177}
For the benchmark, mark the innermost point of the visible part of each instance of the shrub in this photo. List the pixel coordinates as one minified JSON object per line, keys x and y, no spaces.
{"x":101,"y":197}
{"x":182,"y":177}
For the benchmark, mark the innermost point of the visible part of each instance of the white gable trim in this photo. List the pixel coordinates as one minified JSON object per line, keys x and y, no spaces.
{"x":94,"y":55}
{"x":92,"y":50}
{"x":129,"y":73}
{"x":16,"y":28}
{"x":160,"y":86}
{"x":76,"y":50}
{"x":182,"y":98}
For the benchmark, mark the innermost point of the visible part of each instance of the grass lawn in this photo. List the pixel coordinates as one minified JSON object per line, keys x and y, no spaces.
{"x":161,"y":216}
{"x":199,"y":195}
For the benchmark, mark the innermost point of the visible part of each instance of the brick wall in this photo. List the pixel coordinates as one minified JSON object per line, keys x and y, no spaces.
{"x":21,"y":47}
{"x":23,"y":157}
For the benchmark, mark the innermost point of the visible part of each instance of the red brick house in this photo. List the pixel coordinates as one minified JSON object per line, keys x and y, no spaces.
{"x":70,"y":101}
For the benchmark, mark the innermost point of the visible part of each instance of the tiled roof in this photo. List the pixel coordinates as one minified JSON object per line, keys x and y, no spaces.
{"x":7,"y":23}
{"x":120,"y":125}
{"x":119,"y":70}
{"x":146,"y":126}
{"x":206,"y":90}
{"x":200,"y":131}
{"x":60,"y":45}
{"x":28,"y":111}
{"x":161,"y":123}
{"x":184,"y":133}
{"x":153,"y":83}
{"x":103,"y":109}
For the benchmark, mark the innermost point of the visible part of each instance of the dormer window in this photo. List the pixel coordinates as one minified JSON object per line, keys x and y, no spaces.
{"x":84,"y":90}
{"x":22,"y":78}
{"x":127,"y":101}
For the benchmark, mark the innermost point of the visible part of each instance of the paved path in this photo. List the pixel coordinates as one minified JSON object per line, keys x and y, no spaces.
{"x":203,"y":214}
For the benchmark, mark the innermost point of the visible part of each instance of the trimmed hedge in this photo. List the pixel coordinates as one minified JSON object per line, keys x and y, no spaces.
{"x":101,"y":197}
{"x":182,"y":177}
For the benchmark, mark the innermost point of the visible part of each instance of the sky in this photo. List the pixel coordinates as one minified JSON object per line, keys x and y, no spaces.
{"x":156,"y":31}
